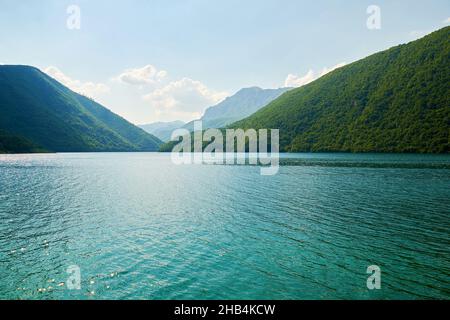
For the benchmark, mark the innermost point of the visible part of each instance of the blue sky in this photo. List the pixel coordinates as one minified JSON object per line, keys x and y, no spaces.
{"x":166,"y":60}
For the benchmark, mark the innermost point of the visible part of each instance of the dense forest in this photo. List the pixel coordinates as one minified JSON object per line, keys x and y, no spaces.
{"x":393,"y":101}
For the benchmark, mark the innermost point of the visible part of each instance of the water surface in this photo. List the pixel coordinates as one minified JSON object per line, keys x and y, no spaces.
{"x":140,"y":227}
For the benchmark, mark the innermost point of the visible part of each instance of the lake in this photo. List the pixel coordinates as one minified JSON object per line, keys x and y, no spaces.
{"x":139,"y":227}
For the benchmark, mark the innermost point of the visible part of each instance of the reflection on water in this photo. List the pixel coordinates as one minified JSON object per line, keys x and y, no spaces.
{"x":140,"y":227}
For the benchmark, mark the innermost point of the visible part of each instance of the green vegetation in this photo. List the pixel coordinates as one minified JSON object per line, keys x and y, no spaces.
{"x":393,"y":101}
{"x":39,"y":110}
{"x":15,"y":144}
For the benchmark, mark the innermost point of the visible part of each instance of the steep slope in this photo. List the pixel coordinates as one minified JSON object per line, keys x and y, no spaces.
{"x":240,"y":105}
{"x":393,"y":101}
{"x":40,"y":109}
{"x":162,"y":130}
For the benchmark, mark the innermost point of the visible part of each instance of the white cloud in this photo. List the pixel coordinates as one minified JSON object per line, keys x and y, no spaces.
{"x":446,"y":21}
{"x":296,"y":81}
{"x":141,"y":76}
{"x":184,"y":99}
{"x":89,"y":89}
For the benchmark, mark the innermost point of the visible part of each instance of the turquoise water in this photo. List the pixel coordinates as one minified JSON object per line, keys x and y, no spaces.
{"x":139,"y":227}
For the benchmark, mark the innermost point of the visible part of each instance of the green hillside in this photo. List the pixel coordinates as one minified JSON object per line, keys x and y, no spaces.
{"x":393,"y":101}
{"x":242,"y":104}
{"x":37,"y":108}
{"x":15,"y":144}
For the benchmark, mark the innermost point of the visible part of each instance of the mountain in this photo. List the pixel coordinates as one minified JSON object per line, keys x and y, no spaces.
{"x":15,"y":144}
{"x":36,"y":108}
{"x":397,"y":100}
{"x":239,"y":106}
{"x":162,"y":130}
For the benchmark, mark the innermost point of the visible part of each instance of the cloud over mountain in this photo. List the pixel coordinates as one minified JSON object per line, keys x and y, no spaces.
{"x":142,"y":76}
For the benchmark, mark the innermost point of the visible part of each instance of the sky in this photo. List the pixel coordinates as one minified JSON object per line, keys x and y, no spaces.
{"x":151,"y":60}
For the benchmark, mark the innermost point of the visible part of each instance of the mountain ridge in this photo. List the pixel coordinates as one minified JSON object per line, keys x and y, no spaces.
{"x":162,"y":130}
{"x":40,"y":109}
{"x":397,"y":100}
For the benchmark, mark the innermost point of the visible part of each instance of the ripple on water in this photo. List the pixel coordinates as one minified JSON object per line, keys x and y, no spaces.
{"x":139,"y":227}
